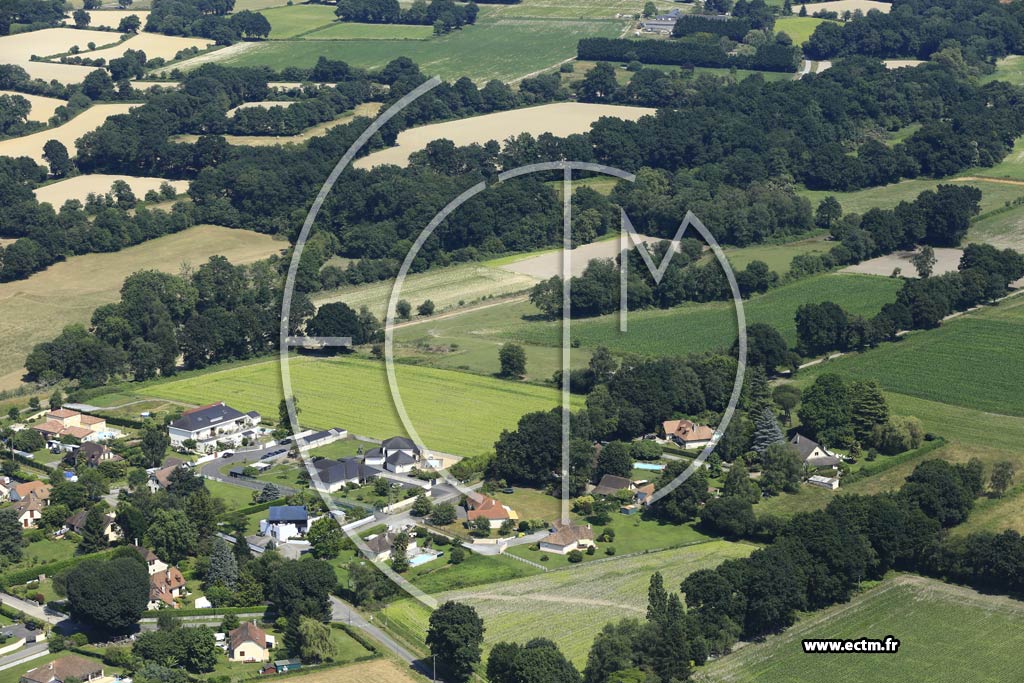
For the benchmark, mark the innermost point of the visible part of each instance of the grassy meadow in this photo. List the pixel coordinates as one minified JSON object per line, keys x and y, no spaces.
{"x":994,"y":195}
{"x":798,"y":28}
{"x":946,"y":633}
{"x":461,"y":414}
{"x":296,"y":20}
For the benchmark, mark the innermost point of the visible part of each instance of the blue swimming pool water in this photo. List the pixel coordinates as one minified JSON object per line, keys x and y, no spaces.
{"x":421,"y":558}
{"x":648,"y":466}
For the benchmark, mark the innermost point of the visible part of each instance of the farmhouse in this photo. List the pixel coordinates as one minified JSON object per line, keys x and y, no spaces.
{"x":687,"y":434}
{"x":76,"y":523}
{"x":564,"y":538}
{"x":813,"y":454}
{"x":285,"y":522}
{"x":63,"y":669}
{"x":209,"y":425}
{"x":165,"y":587}
{"x":663,"y":23}
{"x":71,"y":424}
{"x":480,"y":506}
{"x":332,"y":475}
{"x":381,"y":544}
{"x":249,"y":643}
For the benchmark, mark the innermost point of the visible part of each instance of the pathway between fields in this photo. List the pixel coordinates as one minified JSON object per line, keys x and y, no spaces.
{"x":982,"y":179}
{"x":586,"y":602}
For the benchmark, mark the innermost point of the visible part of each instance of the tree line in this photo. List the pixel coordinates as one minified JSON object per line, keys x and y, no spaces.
{"x":694,"y":50}
{"x":206,"y":19}
{"x":443,"y":15}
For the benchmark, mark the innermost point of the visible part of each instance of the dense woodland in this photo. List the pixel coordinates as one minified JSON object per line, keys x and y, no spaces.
{"x":443,"y":15}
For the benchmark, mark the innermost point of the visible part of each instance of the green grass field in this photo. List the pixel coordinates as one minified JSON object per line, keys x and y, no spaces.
{"x":975,"y":361}
{"x":1010,"y":69}
{"x":455,"y":413}
{"x":946,"y":633}
{"x":351,"y":31}
{"x":993,"y":195}
{"x":495,"y":47}
{"x":1001,"y":228}
{"x":777,"y":256}
{"x":798,"y":28}
{"x":694,"y":328}
{"x":1011,"y":168}
{"x":571,"y":9}
{"x":289,"y":22}
{"x":570,"y":606}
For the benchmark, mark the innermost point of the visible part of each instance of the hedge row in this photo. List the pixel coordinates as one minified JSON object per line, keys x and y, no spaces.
{"x":210,"y":611}
{"x":688,"y":52}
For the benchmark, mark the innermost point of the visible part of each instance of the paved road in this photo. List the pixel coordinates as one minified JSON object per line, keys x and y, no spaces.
{"x":343,"y":612}
{"x":25,"y":654}
{"x":33,"y":610}
{"x":212,"y":469}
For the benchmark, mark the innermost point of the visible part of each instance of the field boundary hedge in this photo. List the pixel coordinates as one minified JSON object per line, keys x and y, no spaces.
{"x":17,"y":577}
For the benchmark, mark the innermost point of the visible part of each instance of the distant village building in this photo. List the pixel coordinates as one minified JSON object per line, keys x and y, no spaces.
{"x":663,"y":23}
{"x":165,"y":588}
{"x":160,"y":478}
{"x":111,"y":531}
{"x":397,"y":454}
{"x":91,"y":454}
{"x":332,"y":475}
{"x":212,"y":424}
{"x":381,"y":545}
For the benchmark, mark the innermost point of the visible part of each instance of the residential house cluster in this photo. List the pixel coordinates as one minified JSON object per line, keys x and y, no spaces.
{"x":640,"y":490}
{"x":206,"y":428}
{"x":662,"y":23}
{"x":397,"y":455}
{"x":29,"y":499}
{"x":166,"y":582}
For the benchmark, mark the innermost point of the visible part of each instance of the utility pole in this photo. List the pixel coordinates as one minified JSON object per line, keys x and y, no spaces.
{"x":433,"y":676}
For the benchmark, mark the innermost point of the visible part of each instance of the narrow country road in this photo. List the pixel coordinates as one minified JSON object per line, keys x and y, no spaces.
{"x":212,"y":470}
{"x":33,"y":610}
{"x":25,"y":654}
{"x":343,"y":612}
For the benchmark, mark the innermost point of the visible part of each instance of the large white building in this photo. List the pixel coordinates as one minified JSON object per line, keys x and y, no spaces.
{"x":212,"y":424}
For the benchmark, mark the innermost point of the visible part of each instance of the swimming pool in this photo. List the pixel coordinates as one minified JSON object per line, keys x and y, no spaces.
{"x":650,"y":466}
{"x":422,"y":558}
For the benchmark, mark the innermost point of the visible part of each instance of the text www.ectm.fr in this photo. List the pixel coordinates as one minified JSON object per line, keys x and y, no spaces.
{"x":888,"y":644}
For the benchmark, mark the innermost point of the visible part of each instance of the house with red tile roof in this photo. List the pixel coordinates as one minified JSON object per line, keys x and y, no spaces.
{"x":479,"y":506}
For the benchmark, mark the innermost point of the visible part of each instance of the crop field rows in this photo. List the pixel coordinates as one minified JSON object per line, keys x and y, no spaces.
{"x":571,"y":606}
{"x":946,"y":633}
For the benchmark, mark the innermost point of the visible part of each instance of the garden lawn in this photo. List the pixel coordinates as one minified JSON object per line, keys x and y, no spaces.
{"x":453,"y":412}
{"x":439,"y":576}
{"x":235,"y":497}
{"x":946,"y":633}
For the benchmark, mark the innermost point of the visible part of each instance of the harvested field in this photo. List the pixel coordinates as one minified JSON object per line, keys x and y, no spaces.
{"x":547,"y":264}
{"x":68,"y":74}
{"x":223,"y":54}
{"x":841,"y":6}
{"x":49,"y":41}
{"x":153,"y":44}
{"x":263,"y":105}
{"x":68,"y":133}
{"x":376,"y":671}
{"x":37,"y":308}
{"x":79,"y":187}
{"x":563,"y":118}
{"x":42,"y":107}
{"x":901,"y":63}
{"x":365,"y":109}
{"x":112,"y":18}
{"x":946,"y":261}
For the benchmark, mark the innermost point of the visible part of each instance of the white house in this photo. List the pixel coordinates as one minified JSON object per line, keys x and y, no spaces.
{"x":813,"y":454}
{"x":381,"y":544}
{"x":210,"y":424}
{"x":285,"y":522}
{"x":565,"y":538}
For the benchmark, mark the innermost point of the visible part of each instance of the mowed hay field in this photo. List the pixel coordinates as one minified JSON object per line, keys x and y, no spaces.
{"x":695,"y":328}
{"x":35,"y":309}
{"x":994,"y":194}
{"x":67,"y":133}
{"x":42,"y":107}
{"x":446,"y":287}
{"x":975,"y":361}
{"x":376,"y":671}
{"x":561,"y":119}
{"x":353,"y":31}
{"x":571,"y":606}
{"x":798,"y":28}
{"x":947,"y":633}
{"x":81,"y":186}
{"x":288,"y":22}
{"x":453,"y":412}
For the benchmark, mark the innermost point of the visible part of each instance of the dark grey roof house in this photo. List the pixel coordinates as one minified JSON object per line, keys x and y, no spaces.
{"x":813,"y":454}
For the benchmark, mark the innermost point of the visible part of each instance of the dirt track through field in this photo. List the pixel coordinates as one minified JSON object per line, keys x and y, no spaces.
{"x":587,"y":602}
